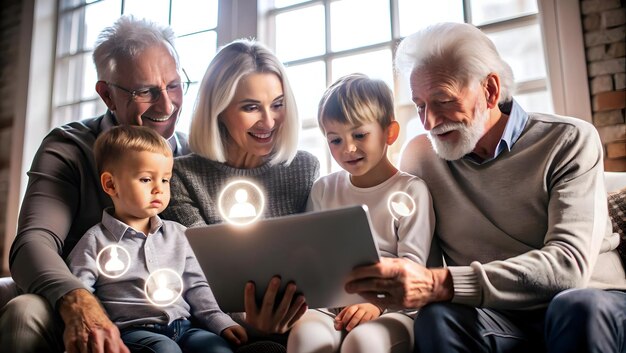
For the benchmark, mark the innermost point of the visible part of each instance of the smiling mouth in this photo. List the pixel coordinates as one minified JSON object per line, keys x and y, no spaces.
{"x":445,"y":130}
{"x":261,"y":135}
{"x":158,"y":120}
{"x":355,"y":161}
{"x":444,"y":134}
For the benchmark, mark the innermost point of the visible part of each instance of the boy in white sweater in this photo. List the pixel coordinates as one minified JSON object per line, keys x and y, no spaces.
{"x":357,"y":118}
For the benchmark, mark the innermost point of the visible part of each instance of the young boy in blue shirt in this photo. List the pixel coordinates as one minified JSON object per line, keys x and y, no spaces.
{"x":141,"y":267}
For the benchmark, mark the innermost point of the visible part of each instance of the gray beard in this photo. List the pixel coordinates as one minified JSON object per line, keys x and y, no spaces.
{"x":469,"y":136}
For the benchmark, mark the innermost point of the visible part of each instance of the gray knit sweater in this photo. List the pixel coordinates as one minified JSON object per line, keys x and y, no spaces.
{"x":197,"y":181}
{"x":518,"y":229}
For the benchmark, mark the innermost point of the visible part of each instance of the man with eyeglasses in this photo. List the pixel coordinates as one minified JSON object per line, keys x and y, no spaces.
{"x":139,"y":81}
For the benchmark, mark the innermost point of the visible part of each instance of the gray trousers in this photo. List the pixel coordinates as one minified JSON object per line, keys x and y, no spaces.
{"x":28,"y":323}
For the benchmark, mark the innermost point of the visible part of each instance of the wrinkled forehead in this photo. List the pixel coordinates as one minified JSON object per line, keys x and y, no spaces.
{"x":433,"y":79}
{"x":154,"y":65}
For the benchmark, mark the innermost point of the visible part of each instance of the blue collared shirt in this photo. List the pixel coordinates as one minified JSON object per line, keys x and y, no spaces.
{"x":165,"y":247}
{"x":512,"y":131}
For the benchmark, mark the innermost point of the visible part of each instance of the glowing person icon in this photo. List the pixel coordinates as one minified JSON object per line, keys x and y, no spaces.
{"x":242,"y":208}
{"x":400,"y":208}
{"x":114,"y":264}
{"x":400,"y":205}
{"x":241,"y":212}
{"x":162,"y":293}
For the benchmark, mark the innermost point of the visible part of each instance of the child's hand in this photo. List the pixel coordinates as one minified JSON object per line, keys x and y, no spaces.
{"x":235,"y":334}
{"x":353,"y":315}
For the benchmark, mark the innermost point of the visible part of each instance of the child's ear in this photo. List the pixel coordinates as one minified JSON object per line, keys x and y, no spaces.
{"x":393,"y":131}
{"x":108,"y":185}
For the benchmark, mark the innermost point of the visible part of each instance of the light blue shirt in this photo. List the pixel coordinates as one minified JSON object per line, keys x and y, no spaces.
{"x":165,"y":247}
{"x":512,"y":131}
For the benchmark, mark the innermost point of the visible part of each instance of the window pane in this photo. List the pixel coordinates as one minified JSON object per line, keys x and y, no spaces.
{"x":69,"y":27}
{"x":376,"y":64}
{"x":403,"y":93}
{"x":522,"y":48}
{"x":97,"y":17}
{"x":351,"y":28}
{"x":91,"y":109}
{"x":90,"y":77}
{"x":418,"y":14}
{"x":300,"y":33}
{"x":64,"y":115}
{"x":154,"y":10}
{"x":78,"y":30}
{"x":66,"y":4}
{"x":540,"y":101}
{"x":283,"y":3}
{"x":312,"y":140}
{"x":189,"y":100}
{"x":308,"y":83}
{"x":68,"y":74}
{"x":196,"y":51}
{"x":487,"y":11}
{"x":75,"y":79}
{"x":190,"y":16}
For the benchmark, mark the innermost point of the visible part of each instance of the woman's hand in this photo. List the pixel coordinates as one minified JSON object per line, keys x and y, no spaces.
{"x":87,"y":327}
{"x":270,"y":318}
{"x":353,"y":315}
{"x":236,"y":335}
{"x":400,"y":283}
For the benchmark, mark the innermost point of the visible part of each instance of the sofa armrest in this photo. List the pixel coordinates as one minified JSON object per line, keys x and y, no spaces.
{"x":614,"y":181}
{"x":8,"y":290}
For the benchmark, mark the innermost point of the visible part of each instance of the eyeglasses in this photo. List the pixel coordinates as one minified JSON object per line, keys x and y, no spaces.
{"x":152,"y":94}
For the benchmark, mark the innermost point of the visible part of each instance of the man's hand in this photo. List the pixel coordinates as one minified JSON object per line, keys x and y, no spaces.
{"x":267,"y":319}
{"x":236,"y":335}
{"x":400,"y":283}
{"x":87,"y":327}
{"x":353,"y":315}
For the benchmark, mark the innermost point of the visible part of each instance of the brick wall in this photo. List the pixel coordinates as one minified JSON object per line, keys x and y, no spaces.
{"x":10,"y":15}
{"x":604,"y":27}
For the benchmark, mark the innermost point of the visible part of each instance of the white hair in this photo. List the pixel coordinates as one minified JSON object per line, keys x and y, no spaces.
{"x":459,"y":48}
{"x":127,"y":38}
{"x":232,"y":62}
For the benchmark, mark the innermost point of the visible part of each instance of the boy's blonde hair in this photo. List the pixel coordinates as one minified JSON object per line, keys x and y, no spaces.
{"x":113,"y":144}
{"x":355,"y":100}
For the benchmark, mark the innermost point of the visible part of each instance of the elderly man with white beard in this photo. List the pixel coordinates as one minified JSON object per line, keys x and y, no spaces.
{"x":521,"y":209}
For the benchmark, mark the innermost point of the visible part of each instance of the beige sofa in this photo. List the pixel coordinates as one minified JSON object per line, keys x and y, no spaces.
{"x":614,"y":181}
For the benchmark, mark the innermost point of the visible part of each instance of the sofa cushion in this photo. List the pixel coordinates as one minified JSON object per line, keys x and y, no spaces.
{"x":617,"y":213}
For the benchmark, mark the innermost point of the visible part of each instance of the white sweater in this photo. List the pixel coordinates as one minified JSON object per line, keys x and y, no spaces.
{"x":409,"y":236}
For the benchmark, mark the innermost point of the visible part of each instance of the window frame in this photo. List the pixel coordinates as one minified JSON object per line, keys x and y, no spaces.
{"x":404,"y":110}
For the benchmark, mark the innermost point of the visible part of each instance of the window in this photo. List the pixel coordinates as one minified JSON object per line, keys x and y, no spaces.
{"x":80,"y":21}
{"x":318,"y":40}
{"x":322,"y":40}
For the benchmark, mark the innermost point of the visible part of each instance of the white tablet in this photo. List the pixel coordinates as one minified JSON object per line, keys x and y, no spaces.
{"x":316,"y":250}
